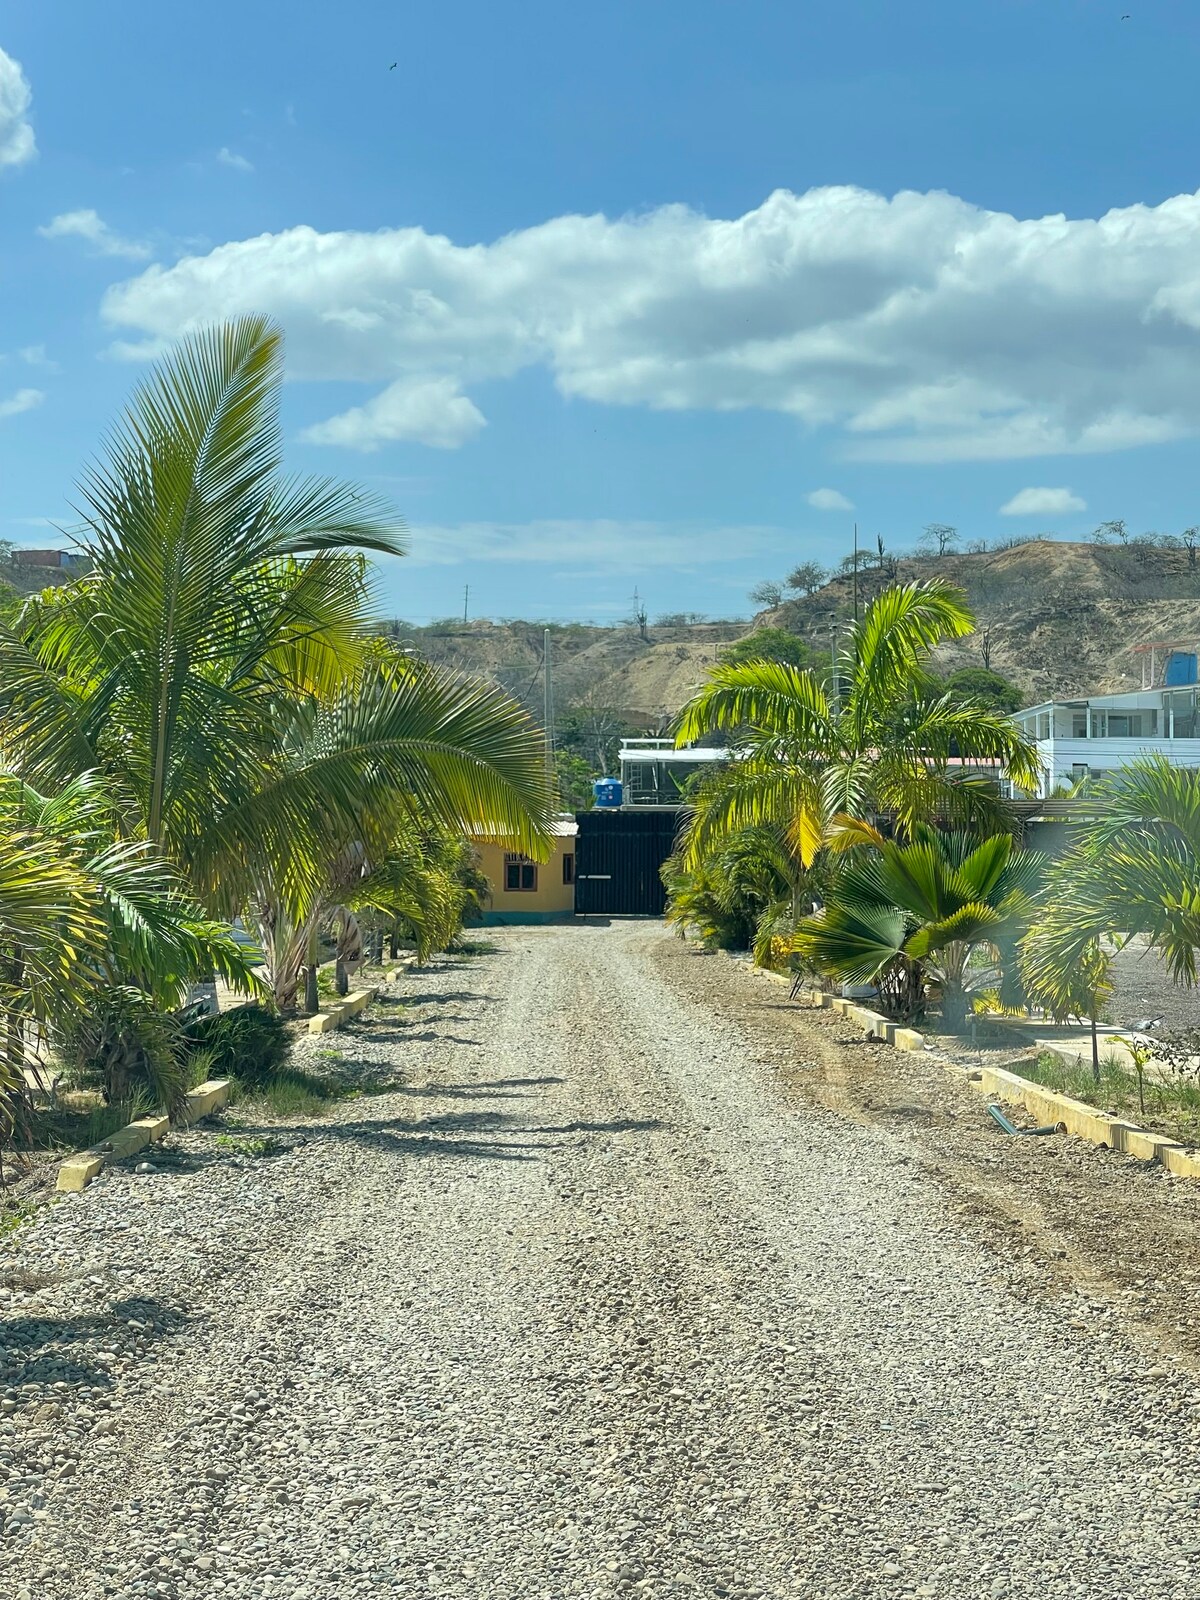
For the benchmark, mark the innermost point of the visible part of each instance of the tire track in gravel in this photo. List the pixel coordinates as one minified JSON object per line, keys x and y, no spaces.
{"x":587,"y":1309}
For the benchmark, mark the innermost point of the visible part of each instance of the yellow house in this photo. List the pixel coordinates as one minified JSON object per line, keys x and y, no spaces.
{"x":523,"y":890}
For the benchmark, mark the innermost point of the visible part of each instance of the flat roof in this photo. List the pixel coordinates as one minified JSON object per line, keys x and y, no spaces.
{"x":690,"y":753}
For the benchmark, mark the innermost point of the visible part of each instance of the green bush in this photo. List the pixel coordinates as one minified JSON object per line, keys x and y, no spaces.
{"x":249,"y":1043}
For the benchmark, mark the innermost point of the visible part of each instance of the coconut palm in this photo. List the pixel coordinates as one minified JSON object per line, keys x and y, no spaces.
{"x":890,"y":742}
{"x":902,"y":915}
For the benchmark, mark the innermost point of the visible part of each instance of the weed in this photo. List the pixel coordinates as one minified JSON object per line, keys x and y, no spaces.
{"x":1171,"y":1104}
{"x":15,"y":1217}
{"x":263,"y":1145}
{"x":81,"y":1121}
{"x":472,"y":947}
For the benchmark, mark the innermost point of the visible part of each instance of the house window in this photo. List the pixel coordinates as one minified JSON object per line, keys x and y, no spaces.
{"x":520,"y":874}
{"x":568,"y":866}
{"x":1079,"y":725}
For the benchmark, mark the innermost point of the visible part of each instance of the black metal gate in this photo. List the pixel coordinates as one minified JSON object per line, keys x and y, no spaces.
{"x":618,"y":855}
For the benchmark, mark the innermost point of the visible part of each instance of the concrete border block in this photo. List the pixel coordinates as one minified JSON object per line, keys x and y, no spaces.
{"x":76,"y":1172}
{"x":1148,"y":1146}
{"x":206,"y":1099}
{"x":1086,"y":1122}
{"x":352,"y":1006}
{"x":1183,"y":1163}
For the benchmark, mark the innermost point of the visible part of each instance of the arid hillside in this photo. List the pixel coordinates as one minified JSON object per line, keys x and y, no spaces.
{"x":644,"y":675}
{"x":1056,"y":618}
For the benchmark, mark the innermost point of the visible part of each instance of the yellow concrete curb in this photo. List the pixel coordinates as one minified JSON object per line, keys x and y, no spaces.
{"x":351,"y":1006}
{"x":1086,"y":1122}
{"x":869,"y":1021}
{"x":77,"y":1171}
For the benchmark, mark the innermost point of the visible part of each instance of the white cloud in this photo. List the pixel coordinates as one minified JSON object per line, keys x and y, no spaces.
{"x":230,"y":158}
{"x":1043,"y":503}
{"x":16,"y":134}
{"x":829,"y":500}
{"x":600,"y":546}
{"x":922,"y":328}
{"x":90,"y":226}
{"x":34,"y":355}
{"x":431,"y":412}
{"x":23,"y":400}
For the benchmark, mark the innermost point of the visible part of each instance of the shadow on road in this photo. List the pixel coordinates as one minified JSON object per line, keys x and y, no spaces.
{"x":50,"y":1346}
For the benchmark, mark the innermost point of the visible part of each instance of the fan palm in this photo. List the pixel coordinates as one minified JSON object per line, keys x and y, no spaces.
{"x":889,"y":743}
{"x":1133,"y":868}
{"x":903,"y":914}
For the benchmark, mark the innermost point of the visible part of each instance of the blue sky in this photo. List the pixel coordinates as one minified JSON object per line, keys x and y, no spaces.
{"x":628,"y":295}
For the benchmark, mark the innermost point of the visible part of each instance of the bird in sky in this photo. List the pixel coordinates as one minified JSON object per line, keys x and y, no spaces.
{"x":393,"y":66}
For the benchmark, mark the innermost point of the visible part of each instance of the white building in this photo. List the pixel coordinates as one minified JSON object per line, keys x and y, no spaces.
{"x":654,"y":772}
{"x":1099,"y":734}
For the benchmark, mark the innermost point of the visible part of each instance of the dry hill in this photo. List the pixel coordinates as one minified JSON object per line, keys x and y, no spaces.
{"x":1056,"y":618}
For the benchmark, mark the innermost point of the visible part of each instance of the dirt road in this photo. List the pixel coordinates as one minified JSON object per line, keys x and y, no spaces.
{"x":623,"y":1289}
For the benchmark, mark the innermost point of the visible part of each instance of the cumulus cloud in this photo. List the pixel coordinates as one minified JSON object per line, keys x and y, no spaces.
{"x":431,"y":413}
{"x":16,"y":133}
{"x":23,"y":400}
{"x":230,"y":158}
{"x":91,"y":227}
{"x":829,"y":500}
{"x":1042,"y":503}
{"x":919,"y":327}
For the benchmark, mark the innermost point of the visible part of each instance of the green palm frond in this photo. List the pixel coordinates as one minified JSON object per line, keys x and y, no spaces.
{"x":892,"y":747}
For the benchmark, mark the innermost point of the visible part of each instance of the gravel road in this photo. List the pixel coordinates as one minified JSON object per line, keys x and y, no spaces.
{"x":588,"y":1304}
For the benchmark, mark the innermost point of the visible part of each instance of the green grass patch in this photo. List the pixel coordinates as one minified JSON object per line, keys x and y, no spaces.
{"x":472,"y":947}
{"x":15,"y":1217}
{"x":1172,"y":1105}
{"x":80,"y":1121}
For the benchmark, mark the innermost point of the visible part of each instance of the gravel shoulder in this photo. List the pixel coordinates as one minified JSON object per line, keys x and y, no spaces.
{"x":635,"y":1281}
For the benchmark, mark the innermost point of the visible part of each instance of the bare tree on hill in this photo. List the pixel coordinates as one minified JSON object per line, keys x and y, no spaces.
{"x":938,"y":539}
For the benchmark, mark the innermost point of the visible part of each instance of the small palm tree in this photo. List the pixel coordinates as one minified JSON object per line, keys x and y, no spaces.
{"x":84,"y":917}
{"x":401,"y":749}
{"x":902,"y":915}
{"x":883,"y":740}
{"x":1133,"y":868}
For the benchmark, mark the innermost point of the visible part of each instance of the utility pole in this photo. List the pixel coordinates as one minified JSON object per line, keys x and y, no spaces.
{"x":835,"y":686}
{"x":856,"y":572}
{"x":466,"y":597}
{"x":548,"y":704}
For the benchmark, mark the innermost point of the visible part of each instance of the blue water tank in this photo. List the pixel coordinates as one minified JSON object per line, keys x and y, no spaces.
{"x":1181,"y":669}
{"x":607,"y":791}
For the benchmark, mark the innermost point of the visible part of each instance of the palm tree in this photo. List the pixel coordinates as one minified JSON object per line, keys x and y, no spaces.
{"x":84,"y":916}
{"x":218,"y":663}
{"x":218,"y":591}
{"x":1132,"y":868}
{"x":882,"y":741}
{"x":905,"y":914}
{"x":404,"y":748}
